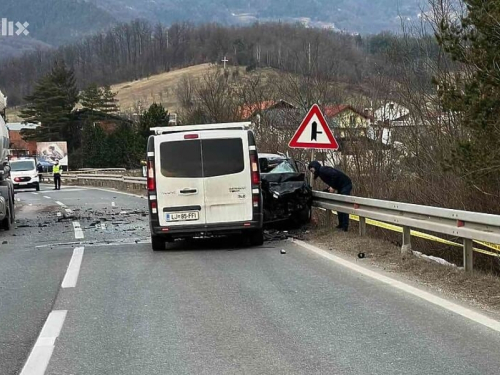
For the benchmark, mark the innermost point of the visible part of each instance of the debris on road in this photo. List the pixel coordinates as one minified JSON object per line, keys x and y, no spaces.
{"x":283,"y":251}
{"x":271,"y":235}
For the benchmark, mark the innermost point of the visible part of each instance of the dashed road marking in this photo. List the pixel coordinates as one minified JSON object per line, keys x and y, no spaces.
{"x":61,"y":204}
{"x":441,"y":302}
{"x":73,"y":270}
{"x":44,"y":346}
{"x":78,"y":230}
{"x":46,"y":197}
{"x":34,"y":193}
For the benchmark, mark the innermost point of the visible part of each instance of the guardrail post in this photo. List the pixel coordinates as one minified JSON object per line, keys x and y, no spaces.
{"x":362,"y":226}
{"x":468,"y":255}
{"x":329,"y":218}
{"x":406,"y":248}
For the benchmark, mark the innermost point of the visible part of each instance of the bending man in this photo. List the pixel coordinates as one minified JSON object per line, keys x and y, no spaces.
{"x":337,"y":182}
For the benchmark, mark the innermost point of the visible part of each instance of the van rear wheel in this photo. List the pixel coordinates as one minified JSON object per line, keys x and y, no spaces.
{"x":256,"y":237}
{"x":158,"y":243}
{"x":6,"y":223}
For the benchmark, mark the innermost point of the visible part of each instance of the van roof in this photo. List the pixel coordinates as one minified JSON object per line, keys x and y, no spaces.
{"x":189,"y":128}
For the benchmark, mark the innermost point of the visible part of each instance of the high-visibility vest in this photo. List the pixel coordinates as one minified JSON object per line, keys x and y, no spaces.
{"x":56,"y":169}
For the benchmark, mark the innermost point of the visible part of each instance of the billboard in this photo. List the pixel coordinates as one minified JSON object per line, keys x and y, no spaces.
{"x":49,"y":152}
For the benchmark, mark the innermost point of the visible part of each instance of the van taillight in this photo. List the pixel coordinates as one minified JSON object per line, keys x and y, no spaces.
{"x":154,"y":207}
{"x":256,"y":200}
{"x":255,"y":169}
{"x":151,"y":176}
{"x":191,"y":136}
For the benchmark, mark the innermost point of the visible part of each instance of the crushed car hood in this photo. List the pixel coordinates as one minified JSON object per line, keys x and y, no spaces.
{"x":283,"y":183}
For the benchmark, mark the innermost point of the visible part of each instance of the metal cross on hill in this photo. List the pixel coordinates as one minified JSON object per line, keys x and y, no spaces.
{"x":225,"y":60}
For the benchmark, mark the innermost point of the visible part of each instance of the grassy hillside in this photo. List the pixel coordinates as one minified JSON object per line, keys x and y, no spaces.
{"x":160,"y":88}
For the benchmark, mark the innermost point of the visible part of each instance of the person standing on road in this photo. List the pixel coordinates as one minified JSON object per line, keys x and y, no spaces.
{"x":56,"y":170}
{"x":337,"y":182}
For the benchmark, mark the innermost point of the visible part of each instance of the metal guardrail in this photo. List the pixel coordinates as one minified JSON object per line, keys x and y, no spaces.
{"x":464,"y":224}
{"x":97,"y":170}
{"x":106,"y":177}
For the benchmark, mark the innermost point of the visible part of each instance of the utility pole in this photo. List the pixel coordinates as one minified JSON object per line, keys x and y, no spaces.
{"x":309,"y":58}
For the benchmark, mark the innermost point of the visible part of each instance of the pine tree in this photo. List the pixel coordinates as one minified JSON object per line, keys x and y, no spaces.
{"x":155,"y":116}
{"x":92,"y":98}
{"x":475,"y":93}
{"x":99,"y":99}
{"x":51,"y":104}
{"x":109,"y":101}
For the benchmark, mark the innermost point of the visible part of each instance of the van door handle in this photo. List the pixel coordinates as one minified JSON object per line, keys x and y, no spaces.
{"x":189,"y":191}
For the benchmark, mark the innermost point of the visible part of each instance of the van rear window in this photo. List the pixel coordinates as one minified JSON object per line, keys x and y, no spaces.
{"x":182,"y":159}
{"x":222,"y":156}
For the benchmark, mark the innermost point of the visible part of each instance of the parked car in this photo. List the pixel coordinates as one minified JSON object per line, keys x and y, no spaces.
{"x":203,"y":180}
{"x":287,"y":194}
{"x":24,"y":174}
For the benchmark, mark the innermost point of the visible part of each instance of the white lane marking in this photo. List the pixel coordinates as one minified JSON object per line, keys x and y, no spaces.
{"x":441,"y":302}
{"x":44,"y":346}
{"x":78,"y":230}
{"x":61,"y":204}
{"x":113,"y":204}
{"x":46,"y":197}
{"x":73,"y":270}
{"x":34,"y":193}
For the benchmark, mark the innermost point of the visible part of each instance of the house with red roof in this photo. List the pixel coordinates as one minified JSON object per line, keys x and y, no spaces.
{"x":347,"y":121}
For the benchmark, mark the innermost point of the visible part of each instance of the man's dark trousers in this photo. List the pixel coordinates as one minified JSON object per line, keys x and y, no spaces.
{"x":57,"y":181}
{"x":343,"y":217}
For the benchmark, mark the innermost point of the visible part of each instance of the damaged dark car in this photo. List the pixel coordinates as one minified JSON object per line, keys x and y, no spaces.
{"x":287,"y":195}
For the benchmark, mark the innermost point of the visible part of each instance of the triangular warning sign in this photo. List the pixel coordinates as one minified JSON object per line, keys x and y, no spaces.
{"x":314,"y":132}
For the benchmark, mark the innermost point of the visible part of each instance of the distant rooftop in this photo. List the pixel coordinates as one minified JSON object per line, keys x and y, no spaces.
{"x":18,"y":126}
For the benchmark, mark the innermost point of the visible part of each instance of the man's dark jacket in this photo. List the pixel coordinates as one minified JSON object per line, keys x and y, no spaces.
{"x":330,"y":176}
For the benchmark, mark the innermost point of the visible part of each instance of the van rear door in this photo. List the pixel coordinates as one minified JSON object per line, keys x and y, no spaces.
{"x":227,"y":177}
{"x":179,"y":180}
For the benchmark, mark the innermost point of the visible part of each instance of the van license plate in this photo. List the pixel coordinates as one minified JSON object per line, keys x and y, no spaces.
{"x":183,"y":216}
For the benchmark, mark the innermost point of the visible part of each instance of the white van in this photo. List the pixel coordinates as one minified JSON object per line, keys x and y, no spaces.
{"x":204,"y":180}
{"x":24,"y":174}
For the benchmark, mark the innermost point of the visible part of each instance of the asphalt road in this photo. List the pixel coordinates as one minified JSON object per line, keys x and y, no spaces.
{"x":206,"y":307}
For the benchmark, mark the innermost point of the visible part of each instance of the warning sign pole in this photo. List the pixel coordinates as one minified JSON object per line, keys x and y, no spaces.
{"x":312,"y":176}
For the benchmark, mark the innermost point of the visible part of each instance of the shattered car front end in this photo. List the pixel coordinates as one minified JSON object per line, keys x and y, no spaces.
{"x":287,"y":196}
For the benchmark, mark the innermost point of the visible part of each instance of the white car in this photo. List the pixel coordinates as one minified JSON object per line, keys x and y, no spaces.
{"x":24,"y":174}
{"x":204,"y":180}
